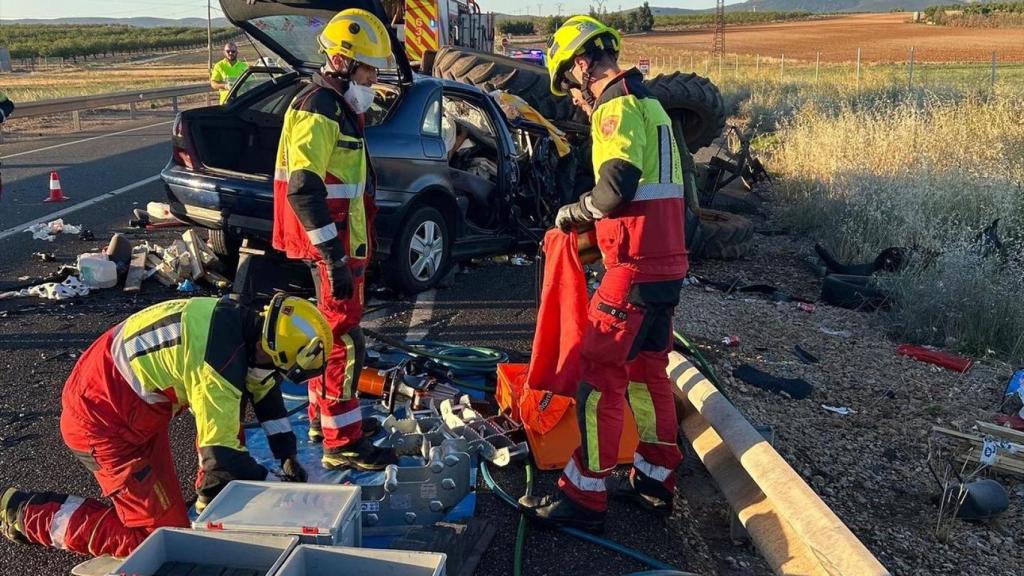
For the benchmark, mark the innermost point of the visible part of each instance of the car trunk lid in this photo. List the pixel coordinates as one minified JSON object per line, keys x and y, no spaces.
{"x":290,"y":28}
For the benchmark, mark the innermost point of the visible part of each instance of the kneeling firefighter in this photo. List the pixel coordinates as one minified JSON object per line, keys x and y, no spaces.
{"x":637,"y":209}
{"x":206,"y":354}
{"x":323,"y":212}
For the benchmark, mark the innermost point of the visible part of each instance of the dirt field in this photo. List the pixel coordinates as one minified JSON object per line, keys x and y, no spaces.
{"x":881,"y":37}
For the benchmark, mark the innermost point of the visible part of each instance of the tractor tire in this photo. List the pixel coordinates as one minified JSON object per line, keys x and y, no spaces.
{"x":490,"y":71}
{"x":724,"y":236}
{"x":688,"y":97}
{"x":696,"y":100}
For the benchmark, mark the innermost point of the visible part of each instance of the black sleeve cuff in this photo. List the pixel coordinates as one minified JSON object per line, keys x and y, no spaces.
{"x":617,"y":184}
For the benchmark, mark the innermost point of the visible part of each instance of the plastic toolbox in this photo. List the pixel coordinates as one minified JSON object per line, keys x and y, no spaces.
{"x":308,"y":560}
{"x":552,"y":450}
{"x":181,"y":551}
{"x":315,"y":513}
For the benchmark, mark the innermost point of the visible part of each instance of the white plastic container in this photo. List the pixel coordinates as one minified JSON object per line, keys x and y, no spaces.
{"x":159,"y":211}
{"x":97,"y":271}
{"x":308,"y":560}
{"x":315,"y":513}
{"x":260,"y":552}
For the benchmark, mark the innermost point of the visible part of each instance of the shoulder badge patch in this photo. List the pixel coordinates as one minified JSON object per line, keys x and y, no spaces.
{"x":609,"y":125}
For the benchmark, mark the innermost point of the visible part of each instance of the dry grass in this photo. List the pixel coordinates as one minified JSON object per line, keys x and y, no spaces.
{"x":866,"y":167}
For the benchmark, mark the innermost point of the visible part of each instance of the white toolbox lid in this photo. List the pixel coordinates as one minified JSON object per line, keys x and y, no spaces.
{"x":281,"y":508}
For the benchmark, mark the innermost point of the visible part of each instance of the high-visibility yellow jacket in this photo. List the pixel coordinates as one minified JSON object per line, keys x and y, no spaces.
{"x":224,"y":71}
{"x":638,"y":195}
{"x":195,"y":354}
{"x":321,"y":177}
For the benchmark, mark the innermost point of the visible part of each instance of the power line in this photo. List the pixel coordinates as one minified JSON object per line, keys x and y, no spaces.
{"x":718,"y":43}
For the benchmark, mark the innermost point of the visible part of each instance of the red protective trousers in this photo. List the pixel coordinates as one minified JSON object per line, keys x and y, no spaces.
{"x":625,"y":357}
{"x":124,"y":442}
{"x":332,"y":398}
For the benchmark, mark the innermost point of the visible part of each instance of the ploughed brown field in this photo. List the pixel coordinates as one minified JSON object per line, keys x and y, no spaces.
{"x":881,"y":37}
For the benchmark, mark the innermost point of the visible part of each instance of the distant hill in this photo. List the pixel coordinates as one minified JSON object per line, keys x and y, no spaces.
{"x":141,"y":21}
{"x":831,"y":6}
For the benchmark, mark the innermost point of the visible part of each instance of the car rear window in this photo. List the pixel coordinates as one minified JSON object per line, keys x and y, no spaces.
{"x":296,"y":34}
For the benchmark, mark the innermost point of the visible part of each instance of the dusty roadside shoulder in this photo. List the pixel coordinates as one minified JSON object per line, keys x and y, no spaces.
{"x":869,"y":467}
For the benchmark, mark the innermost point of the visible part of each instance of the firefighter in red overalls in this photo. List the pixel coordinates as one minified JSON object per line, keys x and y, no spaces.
{"x":323,"y":213}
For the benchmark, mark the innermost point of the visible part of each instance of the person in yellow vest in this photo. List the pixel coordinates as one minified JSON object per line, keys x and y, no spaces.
{"x":209,"y":355}
{"x":323,"y":215}
{"x":227,"y":71}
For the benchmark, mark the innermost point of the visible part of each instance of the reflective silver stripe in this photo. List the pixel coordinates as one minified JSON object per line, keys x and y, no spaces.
{"x":665,"y":156}
{"x":278,"y":426}
{"x":658,"y":191}
{"x":323,"y":234}
{"x":148,"y":341}
{"x":341,"y":420}
{"x":585,"y":29}
{"x":121,"y":360}
{"x":59,"y":524}
{"x":281,"y":174}
{"x":335,"y":191}
{"x":573,"y":474}
{"x":659,"y":473}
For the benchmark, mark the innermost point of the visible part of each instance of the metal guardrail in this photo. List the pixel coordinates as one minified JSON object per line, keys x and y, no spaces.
{"x":76,"y":104}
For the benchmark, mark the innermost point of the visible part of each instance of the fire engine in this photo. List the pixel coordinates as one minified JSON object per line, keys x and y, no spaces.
{"x":426,"y":25}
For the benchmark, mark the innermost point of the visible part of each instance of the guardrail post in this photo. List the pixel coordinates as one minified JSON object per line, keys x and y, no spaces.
{"x":76,"y":121}
{"x":131,"y":110}
{"x":174,"y":103}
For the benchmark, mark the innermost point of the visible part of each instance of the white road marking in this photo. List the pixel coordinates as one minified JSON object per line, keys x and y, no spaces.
{"x":90,"y":139}
{"x":20,"y":228}
{"x":422,"y":311}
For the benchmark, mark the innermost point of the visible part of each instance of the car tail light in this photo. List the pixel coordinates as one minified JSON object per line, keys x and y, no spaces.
{"x":183,"y":152}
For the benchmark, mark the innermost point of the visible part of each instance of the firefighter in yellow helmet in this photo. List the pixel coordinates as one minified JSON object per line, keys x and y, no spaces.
{"x":636,"y":208}
{"x":323,"y":215}
{"x":209,"y":355}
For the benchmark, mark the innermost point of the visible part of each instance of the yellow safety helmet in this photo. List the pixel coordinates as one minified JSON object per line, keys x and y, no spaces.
{"x":578,"y":35}
{"x":296,"y":336}
{"x":358,"y":35}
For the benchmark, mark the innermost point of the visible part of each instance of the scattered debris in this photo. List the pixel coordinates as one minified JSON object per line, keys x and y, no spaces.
{"x":97,"y":270}
{"x":186,"y":286}
{"x":805,"y":306}
{"x":119,"y":250}
{"x":71,"y":287}
{"x":930,"y":355}
{"x":841,"y":410}
{"x":994,"y":446}
{"x":137,"y":269}
{"x":86,"y":235}
{"x":795,"y":388}
{"x":51,"y":229}
{"x":837,"y":333}
{"x":804,"y":356}
{"x":1016,"y":383}
{"x":731,"y":341}
{"x":45,"y":256}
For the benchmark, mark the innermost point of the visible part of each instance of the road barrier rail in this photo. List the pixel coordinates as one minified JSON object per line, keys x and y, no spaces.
{"x":76,"y":104}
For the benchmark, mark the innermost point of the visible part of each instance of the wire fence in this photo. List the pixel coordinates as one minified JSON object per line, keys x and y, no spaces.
{"x":858,"y":71}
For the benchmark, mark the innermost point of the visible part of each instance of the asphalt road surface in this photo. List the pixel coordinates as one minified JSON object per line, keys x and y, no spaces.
{"x":106,"y":174}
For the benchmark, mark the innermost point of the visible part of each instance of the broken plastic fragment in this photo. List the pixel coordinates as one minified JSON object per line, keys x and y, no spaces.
{"x":841,"y":410}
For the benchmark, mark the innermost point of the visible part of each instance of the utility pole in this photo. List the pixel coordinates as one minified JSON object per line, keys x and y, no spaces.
{"x":539,"y":8}
{"x":559,"y":5}
{"x":209,"y":38}
{"x":718,"y":45}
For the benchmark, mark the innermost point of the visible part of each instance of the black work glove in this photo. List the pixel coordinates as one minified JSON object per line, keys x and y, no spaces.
{"x":572,"y":215}
{"x":292,"y":471}
{"x":338,"y":273}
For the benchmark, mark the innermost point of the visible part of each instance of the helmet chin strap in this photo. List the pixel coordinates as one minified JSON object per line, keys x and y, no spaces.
{"x":585,"y":83}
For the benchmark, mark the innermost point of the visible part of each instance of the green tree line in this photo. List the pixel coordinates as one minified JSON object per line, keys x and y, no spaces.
{"x":977,"y":15}
{"x":31,"y":41}
{"x":708,"y":19}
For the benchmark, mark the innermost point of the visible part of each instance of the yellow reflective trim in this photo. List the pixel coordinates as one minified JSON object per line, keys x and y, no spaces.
{"x":348,"y":386}
{"x":357,"y":233}
{"x":593,"y":445}
{"x":642,"y":404}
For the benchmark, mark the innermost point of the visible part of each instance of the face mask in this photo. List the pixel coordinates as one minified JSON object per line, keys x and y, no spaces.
{"x":359,"y":97}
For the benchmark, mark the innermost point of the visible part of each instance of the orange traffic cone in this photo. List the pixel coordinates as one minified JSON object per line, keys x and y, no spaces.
{"x":56,"y":194}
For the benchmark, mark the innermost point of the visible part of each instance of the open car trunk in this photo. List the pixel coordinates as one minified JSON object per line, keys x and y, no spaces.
{"x":290,"y":28}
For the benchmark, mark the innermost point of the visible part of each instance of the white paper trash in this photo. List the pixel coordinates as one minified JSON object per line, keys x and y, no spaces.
{"x":315,"y":513}
{"x":261,"y":552}
{"x":308,"y":560}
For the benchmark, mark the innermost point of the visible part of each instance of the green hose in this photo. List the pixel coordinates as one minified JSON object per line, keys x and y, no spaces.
{"x":702,"y":364}
{"x":517,"y":560}
{"x":458,"y":358}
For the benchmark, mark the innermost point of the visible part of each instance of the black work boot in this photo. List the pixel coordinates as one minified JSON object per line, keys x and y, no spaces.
{"x":11,"y":504}
{"x":362,"y":455}
{"x":560,"y":510}
{"x":625,"y":488}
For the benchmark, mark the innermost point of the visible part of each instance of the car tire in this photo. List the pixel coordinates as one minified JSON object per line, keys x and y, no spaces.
{"x":724,"y":236}
{"x":225,"y":246}
{"x":424,"y":235}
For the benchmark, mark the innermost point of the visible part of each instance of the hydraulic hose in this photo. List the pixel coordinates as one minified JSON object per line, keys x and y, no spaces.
{"x":464,"y":359}
{"x":684,"y":345}
{"x":603,"y":542}
{"x":517,"y":559}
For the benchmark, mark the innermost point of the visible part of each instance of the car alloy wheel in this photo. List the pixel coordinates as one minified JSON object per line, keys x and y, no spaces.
{"x":426,"y":251}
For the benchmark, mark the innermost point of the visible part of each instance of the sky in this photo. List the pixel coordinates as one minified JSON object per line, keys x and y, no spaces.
{"x":12,"y":9}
